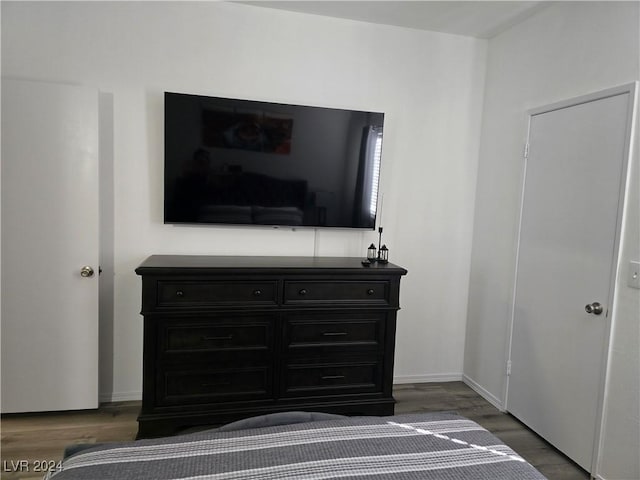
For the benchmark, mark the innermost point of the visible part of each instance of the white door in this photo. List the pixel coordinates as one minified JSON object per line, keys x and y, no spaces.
{"x":49,"y":233}
{"x":566,"y":258}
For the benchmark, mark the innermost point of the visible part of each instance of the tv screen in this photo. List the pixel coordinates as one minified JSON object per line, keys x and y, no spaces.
{"x":243,"y":162}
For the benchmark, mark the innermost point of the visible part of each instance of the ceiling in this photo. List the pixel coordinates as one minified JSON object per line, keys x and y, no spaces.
{"x":480,"y":19}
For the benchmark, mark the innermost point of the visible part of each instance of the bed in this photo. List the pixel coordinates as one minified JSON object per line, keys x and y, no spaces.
{"x":310,"y":446}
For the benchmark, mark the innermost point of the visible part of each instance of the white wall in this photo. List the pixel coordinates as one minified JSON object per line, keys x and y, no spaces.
{"x":429,"y":85}
{"x":566,"y":50}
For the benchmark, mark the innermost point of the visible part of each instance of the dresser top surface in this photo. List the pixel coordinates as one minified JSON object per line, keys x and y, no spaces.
{"x":206,"y":263}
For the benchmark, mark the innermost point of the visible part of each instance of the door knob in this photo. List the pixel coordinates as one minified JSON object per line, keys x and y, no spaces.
{"x":86,"y":271}
{"x":594,"y":308}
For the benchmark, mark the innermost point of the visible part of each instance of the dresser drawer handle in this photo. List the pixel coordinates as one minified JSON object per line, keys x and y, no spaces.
{"x":303,"y":291}
{"x":179,"y":293}
{"x":257,"y":293}
{"x":333,"y":377}
{"x":227,"y":337}
{"x":334,"y":334}
{"x":370,"y":291}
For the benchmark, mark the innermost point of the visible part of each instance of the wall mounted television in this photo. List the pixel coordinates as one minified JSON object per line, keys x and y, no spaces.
{"x":243,"y":162}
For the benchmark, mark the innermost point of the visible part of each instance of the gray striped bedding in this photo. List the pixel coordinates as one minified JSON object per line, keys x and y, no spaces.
{"x":403,"y":447}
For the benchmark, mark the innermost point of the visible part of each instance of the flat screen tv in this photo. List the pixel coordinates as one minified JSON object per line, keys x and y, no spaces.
{"x":243,"y":162}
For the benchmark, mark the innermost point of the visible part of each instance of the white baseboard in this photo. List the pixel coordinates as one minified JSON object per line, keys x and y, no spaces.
{"x":493,"y":400}
{"x":430,"y":378}
{"x":120,"y":397}
{"x":400,"y":379}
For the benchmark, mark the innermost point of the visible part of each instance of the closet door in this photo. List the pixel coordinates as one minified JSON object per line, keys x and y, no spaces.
{"x":570,"y":224}
{"x":49,"y":247}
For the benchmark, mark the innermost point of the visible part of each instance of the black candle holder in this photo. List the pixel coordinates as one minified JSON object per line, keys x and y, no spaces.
{"x":383,"y":251}
{"x":383,"y":254}
{"x":380,"y":254}
{"x":372,"y":254}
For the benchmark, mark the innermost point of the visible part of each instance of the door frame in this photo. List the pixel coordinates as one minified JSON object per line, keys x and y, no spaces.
{"x":631,"y":89}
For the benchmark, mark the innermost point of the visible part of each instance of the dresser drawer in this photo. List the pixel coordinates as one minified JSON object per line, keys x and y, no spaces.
{"x":201,"y":386}
{"x":214,"y":293}
{"x":333,"y":378}
{"x":336,"y":292}
{"x":333,"y":331}
{"x":218,"y":336}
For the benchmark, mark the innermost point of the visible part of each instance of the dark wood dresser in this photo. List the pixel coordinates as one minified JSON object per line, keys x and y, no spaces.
{"x":227,"y":338}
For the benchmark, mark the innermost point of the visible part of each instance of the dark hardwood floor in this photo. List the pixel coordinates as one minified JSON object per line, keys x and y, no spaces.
{"x":458,"y":397}
{"x":35,"y":438}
